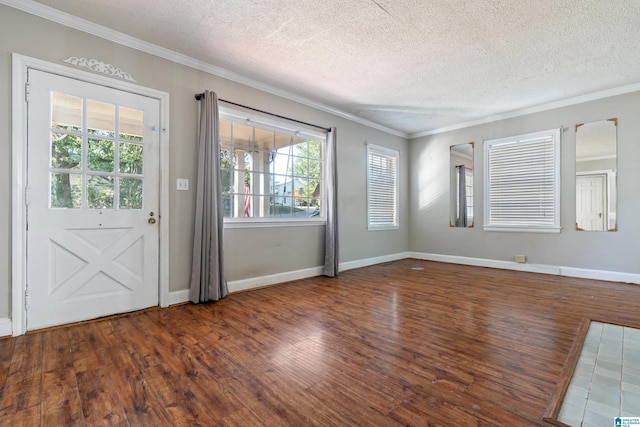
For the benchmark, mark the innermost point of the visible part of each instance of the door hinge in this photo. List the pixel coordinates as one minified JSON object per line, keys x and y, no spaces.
{"x":26,"y":196}
{"x":26,"y":298}
{"x":27,"y":92}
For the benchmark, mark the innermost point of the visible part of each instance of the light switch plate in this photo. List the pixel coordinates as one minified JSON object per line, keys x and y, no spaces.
{"x":182,"y":184}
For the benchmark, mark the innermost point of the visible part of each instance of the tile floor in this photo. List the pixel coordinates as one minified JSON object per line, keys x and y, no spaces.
{"x":606,"y":380}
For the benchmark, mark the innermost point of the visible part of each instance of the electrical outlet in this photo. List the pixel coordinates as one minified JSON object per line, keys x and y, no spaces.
{"x":521,"y":258}
{"x":182,"y":184}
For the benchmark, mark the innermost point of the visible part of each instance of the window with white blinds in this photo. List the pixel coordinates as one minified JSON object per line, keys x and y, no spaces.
{"x":382,"y":188}
{"x":522,"y":183}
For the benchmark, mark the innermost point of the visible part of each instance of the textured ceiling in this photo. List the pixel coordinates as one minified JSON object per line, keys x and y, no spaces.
{"x":410,"y":65}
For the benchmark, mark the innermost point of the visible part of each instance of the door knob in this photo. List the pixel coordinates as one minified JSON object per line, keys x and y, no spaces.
{"x":152,"y":220}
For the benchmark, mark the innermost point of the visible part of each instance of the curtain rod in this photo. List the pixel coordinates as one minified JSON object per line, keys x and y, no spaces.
{"x":199,"y":96}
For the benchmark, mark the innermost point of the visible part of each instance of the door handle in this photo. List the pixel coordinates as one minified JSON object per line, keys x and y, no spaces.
{"x":152,"y":221}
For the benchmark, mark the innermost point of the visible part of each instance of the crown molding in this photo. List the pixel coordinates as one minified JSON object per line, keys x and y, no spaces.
{"x":63,"y":18}
{"x":535,"y":109}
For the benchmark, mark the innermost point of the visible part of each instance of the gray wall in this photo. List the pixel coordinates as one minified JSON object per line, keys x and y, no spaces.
{"x":250,"y":252}
{"x":596,"y":165}
{"x":429,"y":193}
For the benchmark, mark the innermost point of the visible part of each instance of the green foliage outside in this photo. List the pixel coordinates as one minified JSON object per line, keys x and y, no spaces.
{"x":278,"y":209}
{"x":306,"y":168}
{"x":66,"y":185}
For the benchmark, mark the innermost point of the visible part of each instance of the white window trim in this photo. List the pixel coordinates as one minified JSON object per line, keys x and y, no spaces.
{"x":396,"y":154}
{"x":230,"y":223}
{"x":555,"y":228}
{"x":267,"y":123}
{"x":278,"y":126}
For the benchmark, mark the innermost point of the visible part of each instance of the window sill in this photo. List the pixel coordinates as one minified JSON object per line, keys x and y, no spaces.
{"x":272,"y":222}
{"x":383,"y":227}
{"x":515,"y":229}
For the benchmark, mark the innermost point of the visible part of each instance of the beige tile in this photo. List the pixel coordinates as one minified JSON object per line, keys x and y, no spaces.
{"x":608,"y":370}
{"x":631,"y":401}
{"x":571,"y":415}
{"x":596,"y":419}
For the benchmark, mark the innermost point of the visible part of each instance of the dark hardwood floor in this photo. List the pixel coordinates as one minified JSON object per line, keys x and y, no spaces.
{"x":386,"y":345}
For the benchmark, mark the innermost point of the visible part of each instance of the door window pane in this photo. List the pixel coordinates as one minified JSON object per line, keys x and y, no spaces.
{"x":100,"y":155}
{"x":131,"y":123}
{"x":99,"y":192}
{"x":92,"y":154}
{"x":66,"y":190}
{"x":131,"y":158}
{"x":66,"y":112}
{"x":101,"y":118}
{"x":66,"y":151}
{"x":130,"y":193}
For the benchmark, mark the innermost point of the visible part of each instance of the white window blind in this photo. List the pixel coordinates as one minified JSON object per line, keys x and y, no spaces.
{"x":523,"y":182}
{"x":382,"y":188}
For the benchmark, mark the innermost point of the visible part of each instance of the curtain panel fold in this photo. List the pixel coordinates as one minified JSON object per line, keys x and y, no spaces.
{"x":331,"y":258}
{"x":208,"y":282}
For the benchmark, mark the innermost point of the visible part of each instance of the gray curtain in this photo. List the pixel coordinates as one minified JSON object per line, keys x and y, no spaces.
{"x":331,"y":259}
{"x":207,"y":272}
{"x":461,"y":220}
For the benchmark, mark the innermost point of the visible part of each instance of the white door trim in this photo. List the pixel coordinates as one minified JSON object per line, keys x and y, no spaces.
{"x":20,"y":66}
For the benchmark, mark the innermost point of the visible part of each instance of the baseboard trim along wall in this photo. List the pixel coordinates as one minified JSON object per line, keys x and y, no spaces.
{"x":5,"y":327}
{"x":350,"y":265}
{"x":273,"y":279}
{"x":583,"y":273}
{"x":177,"y":297}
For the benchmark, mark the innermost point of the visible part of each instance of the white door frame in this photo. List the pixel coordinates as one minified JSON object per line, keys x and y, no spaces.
{"x":20,"y":66}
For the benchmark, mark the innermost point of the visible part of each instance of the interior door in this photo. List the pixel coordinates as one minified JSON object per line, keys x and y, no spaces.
{"x":590,"y":207}
{"x":92,"y":202}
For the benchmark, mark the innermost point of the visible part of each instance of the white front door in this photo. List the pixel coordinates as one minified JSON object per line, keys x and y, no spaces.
{"x":590,"y":206}
{"x":92,"y":201}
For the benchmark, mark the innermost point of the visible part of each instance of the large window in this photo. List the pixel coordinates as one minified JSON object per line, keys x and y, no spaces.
{"x":270,"y":172}
{"x":523,"y":183}
{"x":382,"y":188}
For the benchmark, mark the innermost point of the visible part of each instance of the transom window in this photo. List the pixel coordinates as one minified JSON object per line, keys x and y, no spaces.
{"x":523,"y":183}
{"x":270,"y":171}
{"x":96,"y":154}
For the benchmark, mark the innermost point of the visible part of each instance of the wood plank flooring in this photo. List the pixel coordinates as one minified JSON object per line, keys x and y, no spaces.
{"x":386,"y":345}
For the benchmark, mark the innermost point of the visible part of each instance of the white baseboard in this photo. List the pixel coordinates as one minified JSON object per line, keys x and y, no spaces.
{"x":5,"y":327}
{"x":274,"y":279}
{"x":259,"y":282}
{"x":584,"y":273}
{"x":350,"y":265}
{"x":178,"y":297}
